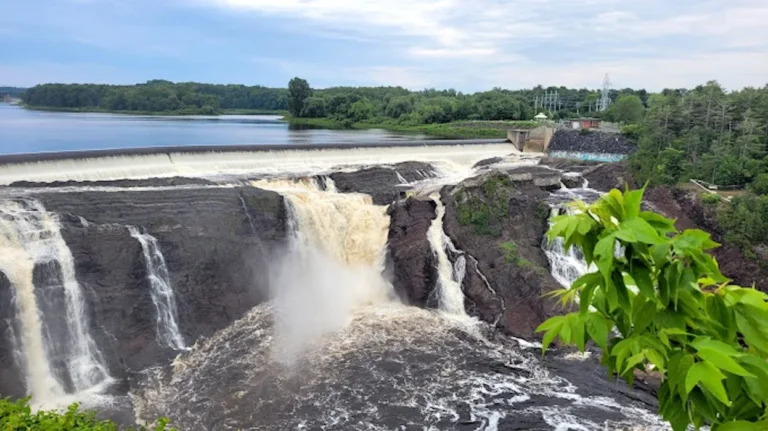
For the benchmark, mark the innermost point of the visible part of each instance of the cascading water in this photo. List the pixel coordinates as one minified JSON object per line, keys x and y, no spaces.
{"x":566,"y":266}
{"x":450,"y":277}
{"x":53,"y":341}
{"x":334,"y":263}
{"x":168,"y":333}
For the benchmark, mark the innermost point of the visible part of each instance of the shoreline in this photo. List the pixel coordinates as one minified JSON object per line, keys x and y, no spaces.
{"x":222,"y":112}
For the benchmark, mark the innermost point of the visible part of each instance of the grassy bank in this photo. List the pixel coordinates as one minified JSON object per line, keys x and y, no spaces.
{"x":158,"y":113}
{"x":454,"y":130}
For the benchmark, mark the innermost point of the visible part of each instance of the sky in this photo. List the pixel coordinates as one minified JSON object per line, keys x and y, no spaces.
{"x":468,"y":45}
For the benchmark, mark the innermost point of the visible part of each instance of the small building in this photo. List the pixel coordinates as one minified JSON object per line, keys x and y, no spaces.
{"x":540,"y":117}
{"x":585,"y":123}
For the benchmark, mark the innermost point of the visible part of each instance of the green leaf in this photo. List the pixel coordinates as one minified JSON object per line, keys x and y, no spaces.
{"x":577,"y":329}
{"x":754,"y":332}
{"x":641,"y":230}
{"x":644,"y":317}
{"x":738,"y":426}
{"x":642,"y":277}
{"x":604,"y":254}
{"x":662,"y":224}
{"x":633,"y":361}
{"x":723,"y":361}
{"x":710,"y":377}
{"x":632,"y":201}
{"x":597,"y":328}
{"x":656,"y":359}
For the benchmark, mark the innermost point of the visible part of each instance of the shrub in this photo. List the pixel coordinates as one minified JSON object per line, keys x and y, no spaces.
{"x":710,"y":199}
{"x":18,"y":415}
{"x":664,"y":303}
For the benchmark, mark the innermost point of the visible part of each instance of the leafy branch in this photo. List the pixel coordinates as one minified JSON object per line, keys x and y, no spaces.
{"x":659,"y":301}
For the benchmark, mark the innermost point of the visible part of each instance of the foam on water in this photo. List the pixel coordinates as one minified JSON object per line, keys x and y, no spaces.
{"x":449,"y":277}
{"x":233,"y":163}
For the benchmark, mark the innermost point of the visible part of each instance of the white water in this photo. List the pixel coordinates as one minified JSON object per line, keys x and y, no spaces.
{"x":447,"y":158}
{"x":450,"y":277}
{"x":30,"y":237}
{"x":333,"y":264}
{"x":168,"y":334}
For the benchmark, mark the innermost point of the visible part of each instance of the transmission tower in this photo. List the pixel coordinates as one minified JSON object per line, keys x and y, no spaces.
{"x":605,"y":99}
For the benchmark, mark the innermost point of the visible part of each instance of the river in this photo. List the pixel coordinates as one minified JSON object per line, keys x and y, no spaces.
{"x":26,"y":131}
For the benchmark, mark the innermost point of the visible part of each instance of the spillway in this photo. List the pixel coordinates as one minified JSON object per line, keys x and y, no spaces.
{"x":261,"y":161}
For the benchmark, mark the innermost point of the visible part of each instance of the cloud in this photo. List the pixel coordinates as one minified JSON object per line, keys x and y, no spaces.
{"x":569,"y":42}
{"x":468,"y":45}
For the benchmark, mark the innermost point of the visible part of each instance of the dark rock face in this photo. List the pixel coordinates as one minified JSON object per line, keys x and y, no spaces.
{"x":505,"y":252}
{"x":410,"y":255}
{"x":11,"y":381}
{"x":590,"y":142}
{"x":214,"y":240}
{"x":607,"y":176}
{"x":381,"y":183}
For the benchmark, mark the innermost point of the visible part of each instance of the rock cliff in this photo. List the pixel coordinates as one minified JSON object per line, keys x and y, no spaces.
{"x":215,"y":242}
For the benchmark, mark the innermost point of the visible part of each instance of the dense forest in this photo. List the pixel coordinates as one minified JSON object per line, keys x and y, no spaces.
{"x":156,"y":97}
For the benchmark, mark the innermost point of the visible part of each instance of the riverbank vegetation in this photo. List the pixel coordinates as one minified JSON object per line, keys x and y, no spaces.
{"x":18,"y":415}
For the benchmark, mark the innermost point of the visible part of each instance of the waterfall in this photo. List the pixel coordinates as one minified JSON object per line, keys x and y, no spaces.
{"x":333,"y":265}
{"x":449,"y":277}
{"x":59,"y":355}
{"x":168,"y":334}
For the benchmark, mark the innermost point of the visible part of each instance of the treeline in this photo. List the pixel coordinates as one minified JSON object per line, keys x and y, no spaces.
{"x":341,"y":104}
{"x":705,"y":133}
{"x":348,"y":105}
{"x":156,"y":97}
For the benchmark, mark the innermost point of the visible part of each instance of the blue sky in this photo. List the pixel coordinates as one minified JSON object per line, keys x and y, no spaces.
{"x":469,"y":45}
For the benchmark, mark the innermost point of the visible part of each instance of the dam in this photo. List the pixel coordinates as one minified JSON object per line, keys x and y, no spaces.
{"x":334,"y":287}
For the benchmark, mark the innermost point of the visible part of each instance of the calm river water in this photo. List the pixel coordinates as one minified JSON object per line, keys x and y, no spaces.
{"x":25,"y":131}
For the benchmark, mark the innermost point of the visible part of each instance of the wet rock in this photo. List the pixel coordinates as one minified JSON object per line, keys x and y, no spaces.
{"x":11,"y":383}
{"x":382,"y":183}
{"x":215,"y":242}
{"x":411,"y":258}
{"x":488,"y":162}
{"x":572,"y":181}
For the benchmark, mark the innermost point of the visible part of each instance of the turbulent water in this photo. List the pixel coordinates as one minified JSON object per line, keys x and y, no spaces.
{"x":59,"y":357}
{"x":334,"y":350}
{"x":163,"y":296}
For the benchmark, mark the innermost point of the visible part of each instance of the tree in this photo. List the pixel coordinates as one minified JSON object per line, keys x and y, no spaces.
{"x":298,"y":92}
{"x":314,"y":107}
{"x":658,"y":300}
{"x":361,"y":110}
{"x":628,"y":109}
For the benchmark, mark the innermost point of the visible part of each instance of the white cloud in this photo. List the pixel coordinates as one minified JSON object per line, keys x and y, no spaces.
{"x":516,"y":43}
